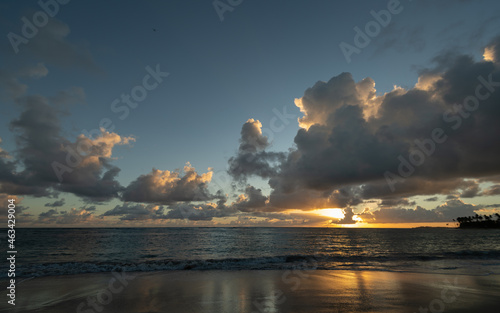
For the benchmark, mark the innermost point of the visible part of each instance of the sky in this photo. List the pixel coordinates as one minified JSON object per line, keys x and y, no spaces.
{"x":249,"y":113}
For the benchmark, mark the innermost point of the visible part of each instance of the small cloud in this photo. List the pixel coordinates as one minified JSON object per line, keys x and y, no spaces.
{"x":55,"y":204}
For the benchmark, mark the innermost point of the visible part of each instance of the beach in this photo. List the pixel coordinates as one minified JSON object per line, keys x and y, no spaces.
{"x":257,"y":291}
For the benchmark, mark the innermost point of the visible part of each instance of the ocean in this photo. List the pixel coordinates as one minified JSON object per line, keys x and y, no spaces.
{"x":56,"y":251}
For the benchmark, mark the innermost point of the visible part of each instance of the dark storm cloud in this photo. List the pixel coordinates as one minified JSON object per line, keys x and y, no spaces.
{"x":252,"y":200}
{"x":350,"y":137}
{"x":415,"y":186}
{"x":252,"y":159}
{"x":492,"y":191}
{"x":40,"y":146}
{"x":471,"y":191}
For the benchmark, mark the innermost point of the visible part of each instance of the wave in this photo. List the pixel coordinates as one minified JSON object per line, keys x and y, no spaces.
{"x":399,"y":263}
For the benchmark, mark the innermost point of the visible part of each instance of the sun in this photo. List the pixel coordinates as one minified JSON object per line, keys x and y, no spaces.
{"x":333,"y":213}
{"x":357,"y":218}
{"x":337,"y":215}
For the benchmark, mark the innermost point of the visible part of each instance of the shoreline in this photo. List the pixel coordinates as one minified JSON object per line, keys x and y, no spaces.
{"x":257,"y":291}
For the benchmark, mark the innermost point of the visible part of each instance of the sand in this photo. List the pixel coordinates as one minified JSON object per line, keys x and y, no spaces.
{"x":257,"y":291}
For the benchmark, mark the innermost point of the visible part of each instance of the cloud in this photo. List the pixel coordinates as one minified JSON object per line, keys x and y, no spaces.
{"x":37,"y":71}
{"x":55,"y":204}
{"x":492,"y":191}
{"x":443,"y":213}
{"x":168,"y":187}
{"x":50,"y":163}
{"x":202,"y":212}
{"x":348,"y":217}
{"x":71,"y":217}
{"x":471,"y":191}
{"x":68,"y":97}
{"x":90,"y":208}
{"x":396,"y":202}
{"x":4,"y":205}
{"x":179,"y":211}
{"x":252,"y":159}
{"x":131,"y":211}
{"x":401,"y":215}
{"x":10,"y":85}
{"x":3,"y":154}
{"x":350,"y":137}
{"x":252,"y":200}
{"x":455,"y":208}
{"x":51,"y":45}
{"x":321,"y":101}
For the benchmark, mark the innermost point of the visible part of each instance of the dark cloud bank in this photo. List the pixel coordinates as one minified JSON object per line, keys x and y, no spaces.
{"x":354,"y":146}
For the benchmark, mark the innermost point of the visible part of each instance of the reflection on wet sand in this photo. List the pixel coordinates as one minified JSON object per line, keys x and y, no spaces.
{"x":263,"y":291}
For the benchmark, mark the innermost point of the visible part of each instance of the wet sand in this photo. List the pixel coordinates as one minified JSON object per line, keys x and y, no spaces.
{"x":257,"y":291}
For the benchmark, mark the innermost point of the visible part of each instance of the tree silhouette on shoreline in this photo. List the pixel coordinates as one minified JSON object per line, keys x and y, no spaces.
{"x":479,"y":221}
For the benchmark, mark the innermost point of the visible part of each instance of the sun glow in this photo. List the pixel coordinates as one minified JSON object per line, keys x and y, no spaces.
{"x":489,"y":54}
{"x":333,"y":213}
